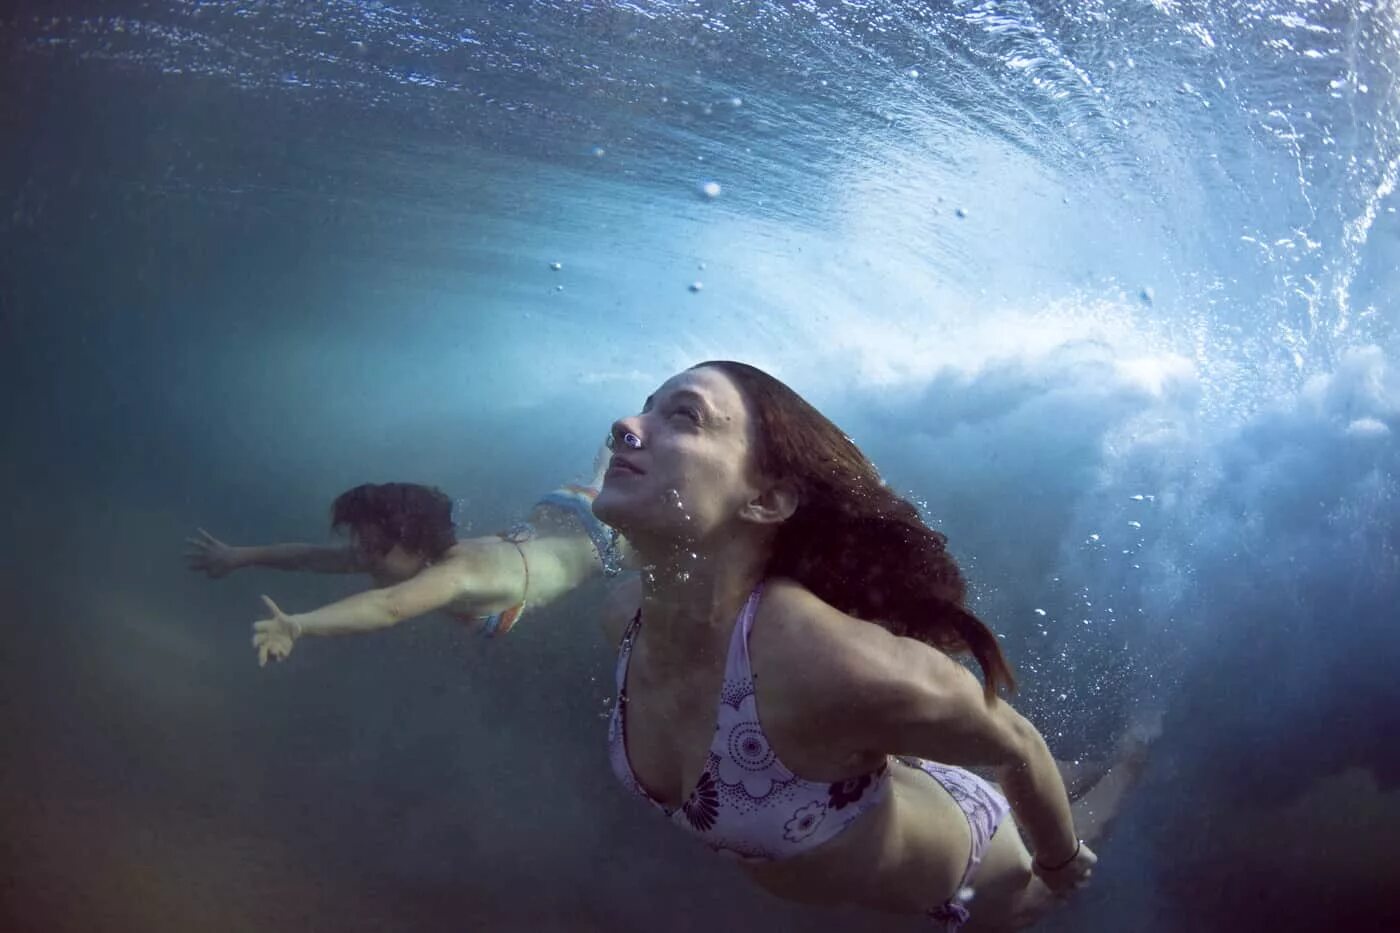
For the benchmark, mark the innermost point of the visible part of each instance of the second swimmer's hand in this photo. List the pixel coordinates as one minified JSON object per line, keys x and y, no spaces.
{"x":209,"y":554}
{"x":274,"y":637}
{"x":1068,"y":878}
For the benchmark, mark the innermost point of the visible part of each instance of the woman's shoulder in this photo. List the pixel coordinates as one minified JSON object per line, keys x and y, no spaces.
{"x":787,"y":603}
{"x":814,"y":635}
{"x":797,"y":622}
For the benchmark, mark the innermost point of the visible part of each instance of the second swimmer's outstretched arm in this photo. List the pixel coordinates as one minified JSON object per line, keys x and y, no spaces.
{"x":480,"y":571}
{"x":214,"y":557}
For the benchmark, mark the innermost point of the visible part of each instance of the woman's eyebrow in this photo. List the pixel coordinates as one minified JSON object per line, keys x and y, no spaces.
{"x":696,"y":397}
{"x":677,"y":395}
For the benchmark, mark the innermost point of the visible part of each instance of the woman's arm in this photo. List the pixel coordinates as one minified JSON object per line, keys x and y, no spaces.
{"x":214,"y":557}
{"x":878,"y":692}
{"x":478,"y":576}
{"x":936,"y":708}
{"x":313,"y":557}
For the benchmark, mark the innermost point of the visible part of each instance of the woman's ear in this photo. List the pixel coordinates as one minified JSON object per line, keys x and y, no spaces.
{"x":775,"y":504}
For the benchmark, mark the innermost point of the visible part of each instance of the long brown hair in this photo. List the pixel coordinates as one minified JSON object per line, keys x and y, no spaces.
{"x":854,"y":543}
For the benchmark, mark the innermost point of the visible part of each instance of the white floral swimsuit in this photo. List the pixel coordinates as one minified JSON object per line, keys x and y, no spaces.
{"x":747,"y":804}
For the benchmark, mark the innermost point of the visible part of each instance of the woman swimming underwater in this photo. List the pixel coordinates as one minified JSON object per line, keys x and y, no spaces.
{"x":403,"y":536}
{"x":783,"y":688}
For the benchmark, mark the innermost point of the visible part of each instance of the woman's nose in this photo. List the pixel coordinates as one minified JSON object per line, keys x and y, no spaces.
{"x":626,"y":434}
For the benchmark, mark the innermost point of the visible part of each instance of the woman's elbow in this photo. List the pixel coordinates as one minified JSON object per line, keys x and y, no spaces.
{"x":392,"y":610}
{"x":1022,"y":743}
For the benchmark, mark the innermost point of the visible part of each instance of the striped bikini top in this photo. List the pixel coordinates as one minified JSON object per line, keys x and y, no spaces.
{"x":747,"y":804}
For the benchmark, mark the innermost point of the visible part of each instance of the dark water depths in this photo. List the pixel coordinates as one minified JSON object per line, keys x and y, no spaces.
{"x":1110,"y":287}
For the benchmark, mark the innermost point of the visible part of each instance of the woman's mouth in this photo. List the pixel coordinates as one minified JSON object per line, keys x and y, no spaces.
{"x":621,"y":466}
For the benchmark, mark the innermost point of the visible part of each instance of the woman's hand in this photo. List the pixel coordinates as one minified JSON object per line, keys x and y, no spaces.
{"x":1069,"y":877}
{"x":211,"y":555}
{"x":274,"y":637}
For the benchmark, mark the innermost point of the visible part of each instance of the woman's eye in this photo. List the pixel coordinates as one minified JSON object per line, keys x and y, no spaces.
{"x":689,"y":413}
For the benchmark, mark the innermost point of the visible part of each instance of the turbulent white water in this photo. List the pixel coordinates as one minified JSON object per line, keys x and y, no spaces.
{"x":1109,"y":287}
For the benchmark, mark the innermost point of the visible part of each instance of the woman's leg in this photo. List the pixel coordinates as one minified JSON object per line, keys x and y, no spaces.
{"x":1095,"y":808}
{"x":1079,"y":776}
{"x":1006,"y":894}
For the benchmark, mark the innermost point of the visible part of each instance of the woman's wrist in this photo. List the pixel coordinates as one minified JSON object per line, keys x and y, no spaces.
{"x":294,"y":622}
{"x":1059,"y":864}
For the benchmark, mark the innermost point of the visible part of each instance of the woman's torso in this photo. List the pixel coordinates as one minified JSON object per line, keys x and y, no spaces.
{"x":913,"y":839}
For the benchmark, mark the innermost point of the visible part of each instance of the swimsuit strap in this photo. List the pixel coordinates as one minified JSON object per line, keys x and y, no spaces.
{"x":525,"y":588}
{"x":737,"y":666}
{"x":501,"y":622}
{"x":750,"y":610}
{"x":624,"y":651}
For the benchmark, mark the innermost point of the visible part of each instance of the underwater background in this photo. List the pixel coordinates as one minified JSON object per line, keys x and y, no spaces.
{"x":1110,"y":288}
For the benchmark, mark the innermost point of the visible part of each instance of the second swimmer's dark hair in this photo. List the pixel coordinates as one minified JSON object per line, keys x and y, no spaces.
{"x":415,"y":517}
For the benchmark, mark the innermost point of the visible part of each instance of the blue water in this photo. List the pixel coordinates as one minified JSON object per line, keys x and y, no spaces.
{"x":1110,"y":289}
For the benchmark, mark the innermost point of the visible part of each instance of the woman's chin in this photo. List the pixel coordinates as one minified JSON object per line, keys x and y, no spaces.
{"x":611,"y":509}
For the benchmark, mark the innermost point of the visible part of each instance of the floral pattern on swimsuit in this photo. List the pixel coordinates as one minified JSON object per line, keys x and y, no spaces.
{"x":746,"y":803}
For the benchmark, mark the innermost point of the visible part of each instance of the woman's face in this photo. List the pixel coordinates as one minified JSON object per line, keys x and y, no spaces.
{"x":386,"y":565}
{"x":691,"y":474}
{"x":398,"y":564}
